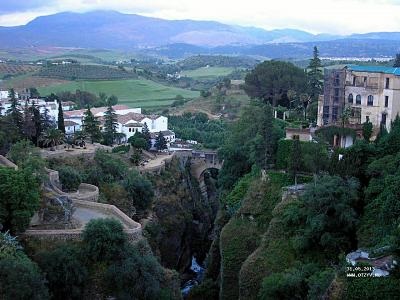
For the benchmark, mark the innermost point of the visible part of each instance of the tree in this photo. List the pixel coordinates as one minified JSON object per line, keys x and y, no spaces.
{"x":270,"y":81}
{"x":70,"y":178}
{"x":60,"y":120}
{"x":315,"y":75}
{"x":135,"y":277}
{"x":28,"y":127}
{"x":65,"y":272}
{"x":53,"y":137}
{"x":27,"y":157}
{"x":91,"y":126}
{"x":14,"y":112}
{"x":367,"y":130}
{"x":396,"y":63}
{"x":161,"y":143}
{"x":267,"y":134}
{"x":21,"y":279}
{"x":146,"y":135}
{"x":295,"y":159}
{"x":326,"y":216}
{"x":104,"y":240}
{"x":110,"y":124}
{"x":20,"y":196}
{"x":113,"y":100}
{"x":140,"y":190}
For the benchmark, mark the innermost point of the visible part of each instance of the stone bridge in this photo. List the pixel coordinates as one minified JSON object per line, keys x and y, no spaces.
{"x":202,"y":161}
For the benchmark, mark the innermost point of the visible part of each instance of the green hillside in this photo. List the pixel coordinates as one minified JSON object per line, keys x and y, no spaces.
{"x":133,"y":92}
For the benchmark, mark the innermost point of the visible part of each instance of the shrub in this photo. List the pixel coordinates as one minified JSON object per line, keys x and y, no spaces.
{"x":121,"y":149}
{"x":65,"y":272}
{"x":21,"y":279}
{"x":104,"y":240}
{"x":20,"y":196}
{"x":70,"y":178}
{"x":140,"y":190}
{"x":135,"y":277}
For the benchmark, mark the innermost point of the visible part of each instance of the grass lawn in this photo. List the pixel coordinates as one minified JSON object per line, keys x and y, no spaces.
{"x":209,"y":72}
{"x":133,"y":92}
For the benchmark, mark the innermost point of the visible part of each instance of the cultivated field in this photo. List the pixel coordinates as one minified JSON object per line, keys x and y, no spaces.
{"x":210,"y":72}
{"x":133,"y":92}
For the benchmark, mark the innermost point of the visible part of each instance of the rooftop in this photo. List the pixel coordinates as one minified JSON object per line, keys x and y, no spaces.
{"x":374,"y":69}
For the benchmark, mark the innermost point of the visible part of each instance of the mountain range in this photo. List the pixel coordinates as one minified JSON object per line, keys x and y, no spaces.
{"x":114,"y":30}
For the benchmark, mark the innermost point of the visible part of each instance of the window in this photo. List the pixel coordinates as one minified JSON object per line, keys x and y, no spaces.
{"x":358,"y":99}
{"x":336,"y":92}
{"x":130,"y":129}
{"x":335,"y":111}
{"x":325,"y":114}
{"x":350,"y":98}
{"x":370,"y":101}
{"x":367,"y":118}
{"x":386,"y":101}
{"x":337,"y":79}
{"x":387,"y":83}
{"x":354,"y":80}
{"x":383,"y":121}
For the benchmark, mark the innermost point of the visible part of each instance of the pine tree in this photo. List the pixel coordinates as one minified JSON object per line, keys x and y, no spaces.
{"x":91,"y":126}
{"x":110,"y":124}
{"x":46,"y":120}
{"x":15,"y":112}
{"x":315,"y":75}
{"x":161,"y":143}
{"x":60,"y":121}
{"x":397,"y":61}
{"x":147,"y":135}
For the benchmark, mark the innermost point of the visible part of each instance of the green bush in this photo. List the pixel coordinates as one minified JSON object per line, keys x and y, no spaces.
{"x":135,"y":277}
{"x":70,"y":178}
{"x":21,"y":279}
{"x":104,"y":240}
{"x":65,"y":272}
{"x":121,"y":149}
{"x":140,"y":190}
{"x":20,"y":196}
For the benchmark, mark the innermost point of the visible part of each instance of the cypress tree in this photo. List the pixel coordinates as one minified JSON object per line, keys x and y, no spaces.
{"x":15,"y":112}
{"x":315,"y":75}
{"x":91,"y":126}
{"x":146,"y":135}
{"x":161,"y":143}
{"x":110,"y":124}
{"x":60,"y":121}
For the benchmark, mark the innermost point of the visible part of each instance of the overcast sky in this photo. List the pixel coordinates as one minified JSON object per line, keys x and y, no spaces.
{"x":316,"y":16}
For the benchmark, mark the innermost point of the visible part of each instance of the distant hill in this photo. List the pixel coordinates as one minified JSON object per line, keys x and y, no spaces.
{"x":113,"y":30}
{"x":358,"y":48}
{"x":181,"y":38}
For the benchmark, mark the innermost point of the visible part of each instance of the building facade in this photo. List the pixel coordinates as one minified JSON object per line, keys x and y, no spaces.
{"x":368,"y":93}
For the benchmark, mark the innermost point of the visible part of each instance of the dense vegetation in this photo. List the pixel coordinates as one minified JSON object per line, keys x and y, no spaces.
{"x":210,"y":133}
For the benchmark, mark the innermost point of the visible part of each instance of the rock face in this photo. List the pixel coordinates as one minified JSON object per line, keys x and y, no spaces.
{"x":182,"y":220}
{"x":56,"y":211}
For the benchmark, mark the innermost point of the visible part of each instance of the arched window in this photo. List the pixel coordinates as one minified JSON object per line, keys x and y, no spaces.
{"x":358,"y":99}
{"x":370,"y":101}
{"x":350,"y":98}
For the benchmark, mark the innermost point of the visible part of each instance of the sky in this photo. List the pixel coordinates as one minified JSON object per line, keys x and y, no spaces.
{"x":315,"y":16}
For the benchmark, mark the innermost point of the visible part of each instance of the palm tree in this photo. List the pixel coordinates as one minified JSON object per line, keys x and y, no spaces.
{"x":53,"y":137}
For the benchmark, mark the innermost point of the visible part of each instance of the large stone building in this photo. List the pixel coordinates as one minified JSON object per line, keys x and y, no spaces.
{"x":370,"y":92}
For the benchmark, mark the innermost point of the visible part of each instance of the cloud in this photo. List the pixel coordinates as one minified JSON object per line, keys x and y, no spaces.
{"x":330,"y":16}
